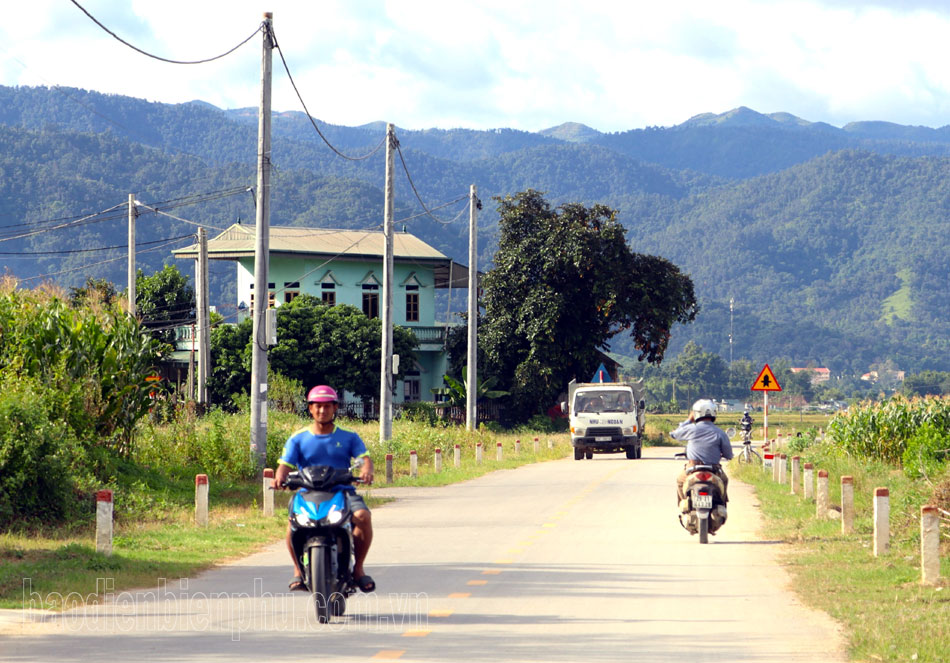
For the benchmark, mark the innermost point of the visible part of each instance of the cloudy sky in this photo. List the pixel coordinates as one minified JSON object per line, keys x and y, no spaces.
{"x":525,"y":64}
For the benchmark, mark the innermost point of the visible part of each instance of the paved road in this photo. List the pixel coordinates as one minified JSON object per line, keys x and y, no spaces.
{"x":561,"y":561}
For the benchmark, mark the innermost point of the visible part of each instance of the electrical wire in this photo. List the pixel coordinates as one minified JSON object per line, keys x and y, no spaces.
{"x":178,"y":218}
{"x":156,"y":57}
{"x":96,"y":264}
{"x":310,"y":117}
{"x":416,"y":192}
{"x":68,"y":224}
{"x":98,"y":248}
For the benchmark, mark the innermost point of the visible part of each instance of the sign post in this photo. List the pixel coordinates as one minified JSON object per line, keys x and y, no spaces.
{"x":765,"y":383}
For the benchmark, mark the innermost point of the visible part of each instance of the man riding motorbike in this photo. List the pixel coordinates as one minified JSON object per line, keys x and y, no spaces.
{"x":706,"y":443}
{"x":745,"y":424}
{"x":323,"y":443}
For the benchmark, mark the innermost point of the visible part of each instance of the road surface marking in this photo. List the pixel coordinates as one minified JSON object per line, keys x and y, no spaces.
{"x":441,"y":613}
{"x":416,"y":634}
{"x":491,"y":572}
{"x":460,"y":595}
{"x":389,"y":654}
{"x":477,"y":582}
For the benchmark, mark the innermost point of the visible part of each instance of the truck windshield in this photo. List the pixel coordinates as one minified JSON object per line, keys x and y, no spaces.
{"x":604,"y":401}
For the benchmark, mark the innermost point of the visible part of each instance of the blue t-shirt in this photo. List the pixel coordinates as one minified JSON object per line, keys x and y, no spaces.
{"x":336,"y":449}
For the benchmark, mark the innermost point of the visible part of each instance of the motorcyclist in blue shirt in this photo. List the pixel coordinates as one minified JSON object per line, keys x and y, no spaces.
{"x":324,"y":443}
{"x":706,"y":443}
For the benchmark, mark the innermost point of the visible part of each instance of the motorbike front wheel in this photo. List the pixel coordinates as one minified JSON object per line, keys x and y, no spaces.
{"x":320,"y":582}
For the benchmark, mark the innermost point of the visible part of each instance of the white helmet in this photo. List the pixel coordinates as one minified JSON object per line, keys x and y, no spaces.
{"x":704,"y":408}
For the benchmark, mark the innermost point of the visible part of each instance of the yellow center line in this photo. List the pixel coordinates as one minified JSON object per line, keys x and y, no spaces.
{"x":440,"y":613}
{"x":416,"y":634}
{"x":491,"y":572}
{"x":389,"y":654}
{"x":477,"y":582}
{"x":460,"y":595}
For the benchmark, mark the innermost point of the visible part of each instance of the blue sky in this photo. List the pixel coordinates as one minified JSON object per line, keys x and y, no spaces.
{"x":524,"y":64}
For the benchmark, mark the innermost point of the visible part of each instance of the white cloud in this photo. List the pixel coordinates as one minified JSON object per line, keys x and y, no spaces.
{"x":491,"y":63}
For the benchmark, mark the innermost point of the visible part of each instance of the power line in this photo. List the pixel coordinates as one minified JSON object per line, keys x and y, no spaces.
{"x":95,"y":264}
{"x":156,"y":57}
{"x":97,"y":248}
{"x":310,"y":117}
{"x":416,"y":192}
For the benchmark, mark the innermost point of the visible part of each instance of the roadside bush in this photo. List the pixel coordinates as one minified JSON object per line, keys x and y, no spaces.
{"x":544,"y":424}
{"x":927,"y":452}
{"x":421,"y":412}
{"x":41,"y":462}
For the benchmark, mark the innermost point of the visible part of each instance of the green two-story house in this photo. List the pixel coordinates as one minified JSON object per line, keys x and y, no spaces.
{"x":346,"y":267}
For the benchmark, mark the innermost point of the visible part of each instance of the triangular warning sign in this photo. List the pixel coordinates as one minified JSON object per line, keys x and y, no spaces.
{"x":601,"y":375}
{"x":766,"y":381}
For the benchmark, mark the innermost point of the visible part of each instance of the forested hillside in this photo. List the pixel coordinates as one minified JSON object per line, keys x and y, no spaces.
{"x":831,"y":241}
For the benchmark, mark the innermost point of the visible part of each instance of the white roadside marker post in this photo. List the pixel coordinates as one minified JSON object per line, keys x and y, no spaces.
{"x":104,"y":521}
{"x":201,"y":500}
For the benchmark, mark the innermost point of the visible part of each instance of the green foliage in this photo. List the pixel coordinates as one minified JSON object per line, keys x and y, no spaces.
{"x":164,"y":301}
{"x":41,"y":462}
{"x":335,"y":345}
{"x":883,"y":431}
{"x":456,"y":391}
{"x":422,"y":412}
{"x":564,"y":283}
{"x":927,"y":452}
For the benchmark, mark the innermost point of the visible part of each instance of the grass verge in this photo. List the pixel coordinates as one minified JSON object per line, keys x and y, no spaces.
{"x":888,"y":615}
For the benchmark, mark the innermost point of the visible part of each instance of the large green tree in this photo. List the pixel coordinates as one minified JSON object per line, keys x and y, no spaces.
{"x":564,"y":283}
{"x":164,"y":301}
{"x":316,"y":344}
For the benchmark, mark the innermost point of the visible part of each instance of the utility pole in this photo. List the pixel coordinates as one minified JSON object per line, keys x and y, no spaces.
{"x":386,"y":349}
{"x":132,"y":214}
{"x":204,"y":333}
{"x":732,"y":302}
{"x":261,"y":256}
{"x":471,"y":403}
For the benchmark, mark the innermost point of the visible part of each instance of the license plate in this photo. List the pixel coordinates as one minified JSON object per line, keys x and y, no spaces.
{"x":602,"y":439}
{"x":701,"y":501}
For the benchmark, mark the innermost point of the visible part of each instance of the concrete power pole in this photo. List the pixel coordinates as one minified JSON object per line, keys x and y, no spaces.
{"x":471,"y":388}
{"x":261,"y":256}
{"x":204,"y":332}
{"x":132,"y":214}
{"x":386,"y":352}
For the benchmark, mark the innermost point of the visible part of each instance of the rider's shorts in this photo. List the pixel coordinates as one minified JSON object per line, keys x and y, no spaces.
{"x":356,"y":502}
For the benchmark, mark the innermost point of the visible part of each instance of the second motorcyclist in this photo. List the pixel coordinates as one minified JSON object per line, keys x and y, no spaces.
{"x":706,"y":443}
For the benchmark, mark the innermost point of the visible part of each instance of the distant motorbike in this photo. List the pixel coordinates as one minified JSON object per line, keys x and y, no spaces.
{"x":321,"y":526}
{"x":703,"y":510}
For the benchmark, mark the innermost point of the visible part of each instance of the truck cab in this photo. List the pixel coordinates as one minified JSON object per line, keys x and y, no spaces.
{"x":605,"y":417}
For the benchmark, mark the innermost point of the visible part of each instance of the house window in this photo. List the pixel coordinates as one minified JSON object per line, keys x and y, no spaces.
{"x":412,"y":307}
{"x":371,"y":300}
{"x":291,"y":290}
{"x":328,"y":293}
{"x":411,"y":390}
{"x":271,"y":300}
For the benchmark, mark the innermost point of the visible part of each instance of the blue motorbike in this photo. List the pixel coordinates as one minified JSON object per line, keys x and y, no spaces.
{"x":321,"y":526}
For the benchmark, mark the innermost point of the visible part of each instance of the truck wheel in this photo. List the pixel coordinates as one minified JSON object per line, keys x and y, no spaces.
{"x":631,"y":453}
{"x":589,"y":454}
{"x":578,"y":454}
{"x":639,"y":449}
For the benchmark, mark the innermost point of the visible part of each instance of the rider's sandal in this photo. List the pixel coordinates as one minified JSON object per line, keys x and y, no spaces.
{"x":366,"y":584}
{"x":297,"y":585}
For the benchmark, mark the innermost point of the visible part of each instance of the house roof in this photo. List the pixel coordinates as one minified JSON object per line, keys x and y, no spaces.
{"x":239,"y":241}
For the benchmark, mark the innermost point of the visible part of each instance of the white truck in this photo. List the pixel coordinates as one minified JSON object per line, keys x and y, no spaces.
{"x":605,"y":417}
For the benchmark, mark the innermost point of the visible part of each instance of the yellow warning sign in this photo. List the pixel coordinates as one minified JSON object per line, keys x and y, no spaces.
{"x":766,"y":381}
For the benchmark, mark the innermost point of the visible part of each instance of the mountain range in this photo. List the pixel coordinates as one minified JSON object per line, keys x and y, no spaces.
{"x":830,"y":242}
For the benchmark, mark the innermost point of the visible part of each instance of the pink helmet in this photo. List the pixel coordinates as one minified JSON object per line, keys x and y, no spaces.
{"x":322,"y":394}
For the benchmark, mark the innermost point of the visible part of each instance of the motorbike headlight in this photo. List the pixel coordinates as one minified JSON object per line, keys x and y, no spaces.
{"x":302,"y":519}
{"x":334,"y":516}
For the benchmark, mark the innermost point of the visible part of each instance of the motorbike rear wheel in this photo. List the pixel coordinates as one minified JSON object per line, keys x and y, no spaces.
{"x":320,"y":586}
{"x":703,"y":530}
